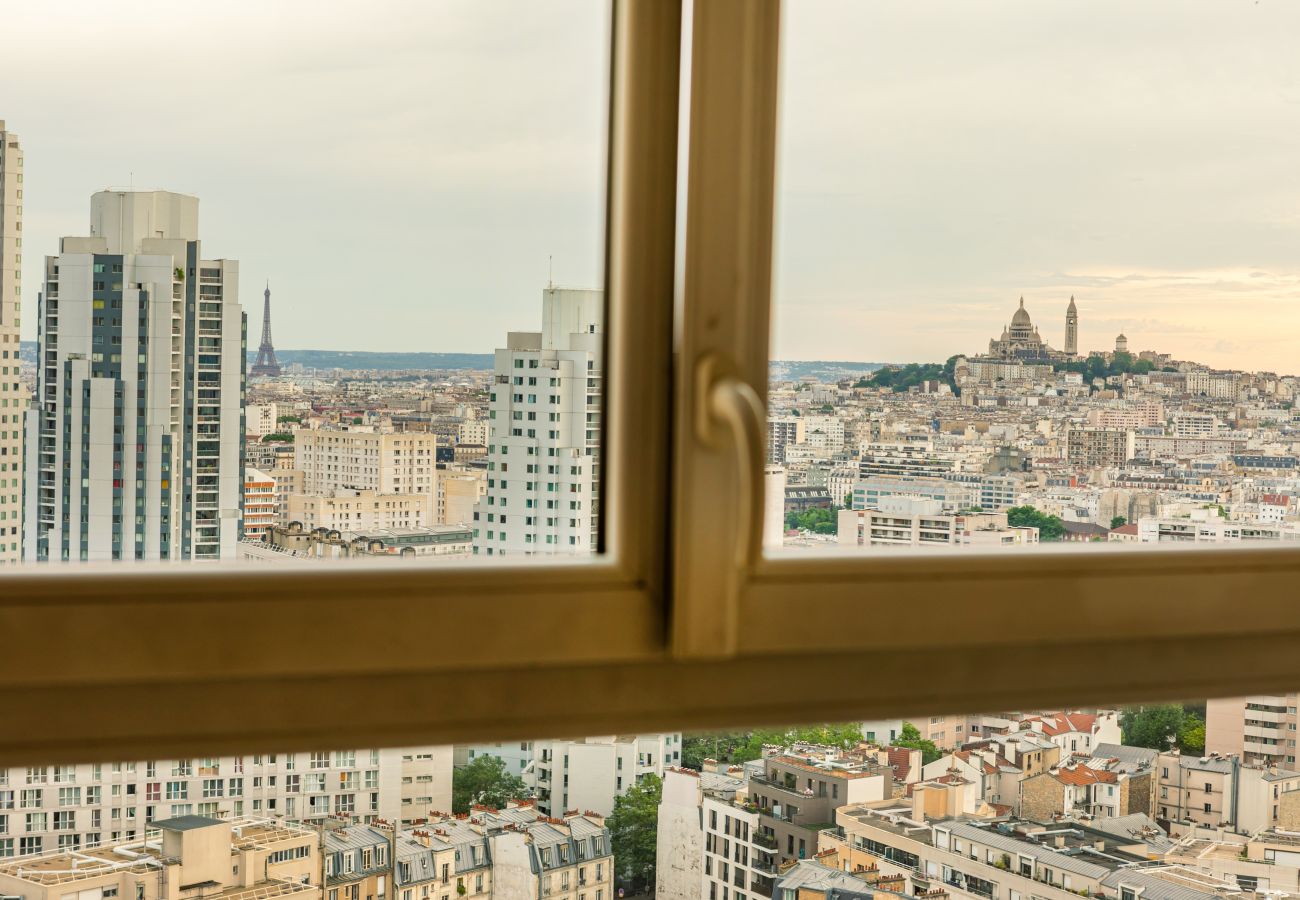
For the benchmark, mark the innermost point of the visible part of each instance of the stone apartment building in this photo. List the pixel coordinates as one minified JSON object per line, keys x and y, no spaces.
{"x":1221,"y":792}
{"x":357,"y":863}
{"x":185,"y":856}
{"x":506,"y":854}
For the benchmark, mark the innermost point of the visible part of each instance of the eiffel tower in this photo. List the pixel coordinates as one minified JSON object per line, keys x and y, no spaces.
{"x":266,"y":364}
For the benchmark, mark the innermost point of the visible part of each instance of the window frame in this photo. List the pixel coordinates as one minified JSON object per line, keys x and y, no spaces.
{"x":990,"y":617}
{"x":681,"y":623}
{"x":530,"y":613}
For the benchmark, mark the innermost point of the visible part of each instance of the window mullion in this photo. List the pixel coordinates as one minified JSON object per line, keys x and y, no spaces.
{"x":725,"y":314}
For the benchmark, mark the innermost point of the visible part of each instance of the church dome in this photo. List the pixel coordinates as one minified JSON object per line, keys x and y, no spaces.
{"x":1021,"y":316}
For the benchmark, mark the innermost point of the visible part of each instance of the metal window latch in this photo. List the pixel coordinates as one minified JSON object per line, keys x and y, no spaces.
{"x":730,"y":412}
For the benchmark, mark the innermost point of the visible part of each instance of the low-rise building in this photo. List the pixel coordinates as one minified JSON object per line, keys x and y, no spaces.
{"x":185,"y":856}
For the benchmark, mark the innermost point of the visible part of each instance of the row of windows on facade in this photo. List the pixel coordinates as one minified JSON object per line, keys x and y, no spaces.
{"x":339,"y":759}
{"x":310,"y":783}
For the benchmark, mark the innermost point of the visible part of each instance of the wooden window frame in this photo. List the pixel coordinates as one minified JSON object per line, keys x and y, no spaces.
{"x":681,"y":623}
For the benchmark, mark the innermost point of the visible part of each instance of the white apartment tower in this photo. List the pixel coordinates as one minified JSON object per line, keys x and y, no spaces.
{"x":544,"y":437}
{"x":136,"y":441}
{"x":12,"y":397}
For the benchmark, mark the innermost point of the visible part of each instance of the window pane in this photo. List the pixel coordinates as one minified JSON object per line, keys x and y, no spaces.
{"x":413,"y":199}
{"x":1033,"y":277}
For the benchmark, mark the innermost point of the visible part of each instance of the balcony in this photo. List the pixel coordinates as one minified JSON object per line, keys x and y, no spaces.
{"x":764,"y":842}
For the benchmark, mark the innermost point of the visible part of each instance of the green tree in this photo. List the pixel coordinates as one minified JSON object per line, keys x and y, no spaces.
{"x":282,"y":437}
{"x":910,"y":737}
{"x":484,"y":780}
{"x":295,"y":419}
{"x":818,"y":521}
{"x":1050,"y":528}
{"x":1191,"y":736}
{"x":1162,"y":726}
{"x":1117,"y":521}
{"x":633,"y":829}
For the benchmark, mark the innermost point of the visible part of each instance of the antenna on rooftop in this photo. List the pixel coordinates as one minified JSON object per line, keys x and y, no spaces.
{"x":550,"y":273}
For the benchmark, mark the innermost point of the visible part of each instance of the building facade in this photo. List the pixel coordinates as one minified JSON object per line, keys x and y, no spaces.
{"x":545,"y":423}
{"x":13,"y":398}
{"x":135,"y":447}
{"x":259,"y":504}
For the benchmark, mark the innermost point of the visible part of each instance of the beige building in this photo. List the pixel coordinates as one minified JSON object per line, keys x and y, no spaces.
{"x":362,"y":510}
{"x":287,"y":483}
{"x":921,"y":522}
{"x":458,"y":492}
{"x":1261,"y":729}
{"x":13,"y":398}
{"x":361,"y":458}
{"x":184,"y":857}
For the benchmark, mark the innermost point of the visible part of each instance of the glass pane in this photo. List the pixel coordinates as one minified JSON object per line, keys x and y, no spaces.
{"x":414,"y":198}
{"x":1035,"y":276}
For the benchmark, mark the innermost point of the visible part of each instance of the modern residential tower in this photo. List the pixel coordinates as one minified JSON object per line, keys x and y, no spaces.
{"x":136,"y":441}
{"x":543,"y":444}
{"x":12,"y":397}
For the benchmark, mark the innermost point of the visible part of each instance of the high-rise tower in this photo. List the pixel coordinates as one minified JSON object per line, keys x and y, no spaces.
{"x":266,"y":365}
{"x":1072,"y":328}
{"x":135,"y":449}
{"x":544,"y":442}
{"x":13,"y":399}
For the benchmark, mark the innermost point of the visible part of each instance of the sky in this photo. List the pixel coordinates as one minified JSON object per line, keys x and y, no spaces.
{"x":409,"y":175}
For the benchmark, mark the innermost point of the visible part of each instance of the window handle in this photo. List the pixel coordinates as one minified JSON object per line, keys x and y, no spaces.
{"x":732,"y":412}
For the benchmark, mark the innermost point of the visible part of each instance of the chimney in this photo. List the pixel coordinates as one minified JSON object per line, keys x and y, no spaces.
{"x":1059,"y":841}
{"x":1099,"y":846}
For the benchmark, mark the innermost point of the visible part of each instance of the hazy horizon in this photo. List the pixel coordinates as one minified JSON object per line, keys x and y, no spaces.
{"x":408,"y":177}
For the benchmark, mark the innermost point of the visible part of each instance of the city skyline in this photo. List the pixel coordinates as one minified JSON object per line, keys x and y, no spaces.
{"x":958,"y":180}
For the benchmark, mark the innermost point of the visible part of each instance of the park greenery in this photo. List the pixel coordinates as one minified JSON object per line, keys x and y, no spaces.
{"x":633,"y":835}
{"x":485,"y":781}
{"x":282,"y":437}
{"x":736,"y":747}
{"x":1163,"y":726}
{"x":1050,"y":528}
{"x":818,"y":521}
{"x":899,"y":378}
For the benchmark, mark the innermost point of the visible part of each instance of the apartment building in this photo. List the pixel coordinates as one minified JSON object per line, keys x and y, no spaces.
{"x":136,"y":448}
{"x":822,"y":879}
{"x":13,"y":398}
{"x":582,"y":773}
{"x":426,"y":782}
{"x":1261,"y":729}
{"x":1223,"y":792}
{"x":344,"y":509}
{"x":259,"y":504}
{"x":1076,"y":732}
{"x":922,"y":522}
{"x":244,"y":858}
{"x":797,"y":790}
{"x":357,"y":863}
{"x":459,"y":491}
{"x":1207,"y":526}
{"x":1096,"y":447}
{"x":1078,"y":789}
{"x":261,"y":419}
{"x":709,"y":841}
{"x":473,"y":431}
{"x":365,"y":458}
{"x":288,"y":481}
{"x":507,"y":854}
{"x":48,"y":807}
{"x":544,"y":447}
{"x":1007,"y":859}
{"x":783,"y":432}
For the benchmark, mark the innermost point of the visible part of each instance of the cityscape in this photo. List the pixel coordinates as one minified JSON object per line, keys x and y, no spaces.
{"x":150,"y":413}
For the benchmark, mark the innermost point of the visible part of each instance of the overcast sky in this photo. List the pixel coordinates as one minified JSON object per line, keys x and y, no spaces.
{"x":402,"y":171}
